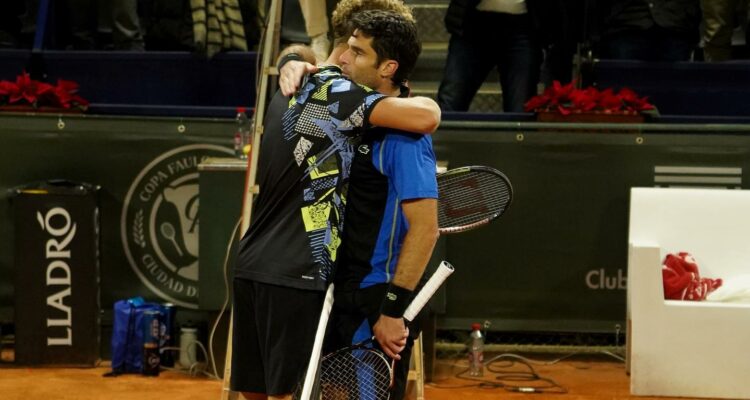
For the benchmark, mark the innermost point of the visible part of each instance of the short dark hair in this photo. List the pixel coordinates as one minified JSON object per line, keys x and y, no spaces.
{"x":393,"y":37}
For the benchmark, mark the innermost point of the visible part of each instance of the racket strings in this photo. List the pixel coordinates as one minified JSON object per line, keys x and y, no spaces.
{"x":471,"y":197}
{"x":360,"y":374}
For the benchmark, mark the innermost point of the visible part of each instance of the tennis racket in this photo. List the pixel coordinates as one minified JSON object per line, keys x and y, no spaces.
{"x":363,"y":372}
{"x":470,"y":197}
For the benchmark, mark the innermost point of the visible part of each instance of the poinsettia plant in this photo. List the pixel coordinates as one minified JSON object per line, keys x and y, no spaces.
{"x":567,"y":99}
{"x":27,"y":91}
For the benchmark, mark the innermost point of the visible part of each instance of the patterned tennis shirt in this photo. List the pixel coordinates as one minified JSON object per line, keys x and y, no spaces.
{"x":303,"y":170}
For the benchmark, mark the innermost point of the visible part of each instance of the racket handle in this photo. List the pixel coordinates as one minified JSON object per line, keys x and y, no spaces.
{"x":424,"y":295}
{"x":312,"y":368}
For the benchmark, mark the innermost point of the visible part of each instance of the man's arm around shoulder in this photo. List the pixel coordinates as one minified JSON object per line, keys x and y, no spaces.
{"x":291,"y":70}
{"x":412,"y":114}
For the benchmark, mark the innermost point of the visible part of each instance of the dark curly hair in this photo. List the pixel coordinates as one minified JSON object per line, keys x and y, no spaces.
{"x":345,"y":9}
{"x":393,"y":37}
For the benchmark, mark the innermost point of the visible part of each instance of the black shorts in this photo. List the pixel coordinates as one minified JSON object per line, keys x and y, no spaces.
{"x":273,"y":334}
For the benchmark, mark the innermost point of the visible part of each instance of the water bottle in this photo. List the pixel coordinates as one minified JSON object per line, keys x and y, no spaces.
{"x":167,"y":334}
{"x":242,"y":133}
{"x":476,"y":351}
{"x":151,"y":337}
{"x":188,"y":339}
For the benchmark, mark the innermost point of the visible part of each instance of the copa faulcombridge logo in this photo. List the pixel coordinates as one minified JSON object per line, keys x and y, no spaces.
{"x":159,"y":223}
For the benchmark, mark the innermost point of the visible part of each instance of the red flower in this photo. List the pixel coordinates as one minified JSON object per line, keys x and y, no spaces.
{"x":28,"y":91}
{"x":562,"y":91}
{"x":584,"y":100}
{"x":537,"y":103}
{"x":7,"y":88}
{"x":66,"y":96}
{"x":609,"y":102}
{"x":566,"y":99}
{"x":633,"y":102}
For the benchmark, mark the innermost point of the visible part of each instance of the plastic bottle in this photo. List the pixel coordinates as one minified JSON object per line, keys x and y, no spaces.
{"x":242,"y":133}
{"x":247,"y":143}
{"x":476,"y":351}
{"x":188,"y":337}
{"x":151,"y":336}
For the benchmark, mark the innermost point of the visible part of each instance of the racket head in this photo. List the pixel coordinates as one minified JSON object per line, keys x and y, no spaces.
{"x":470,"y":197}
{"x":357,"y":372}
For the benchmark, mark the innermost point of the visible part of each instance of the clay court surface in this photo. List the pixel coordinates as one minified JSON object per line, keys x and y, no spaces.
{"x":584,"y":377}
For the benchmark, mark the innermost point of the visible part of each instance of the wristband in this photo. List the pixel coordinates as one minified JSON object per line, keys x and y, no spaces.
{"x":288,"y":57}
{"x":395,"y":301}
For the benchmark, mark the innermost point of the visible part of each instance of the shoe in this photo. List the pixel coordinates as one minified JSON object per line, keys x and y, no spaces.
{"x":321,"y":46}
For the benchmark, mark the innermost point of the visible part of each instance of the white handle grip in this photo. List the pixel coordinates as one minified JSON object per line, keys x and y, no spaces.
{"x":432,"y":285}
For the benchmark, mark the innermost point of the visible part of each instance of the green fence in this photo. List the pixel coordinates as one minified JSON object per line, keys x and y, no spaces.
{"x":555,"y":262}
{"x":147,"y":169}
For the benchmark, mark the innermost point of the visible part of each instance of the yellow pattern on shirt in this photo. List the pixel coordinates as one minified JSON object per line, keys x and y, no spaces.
{"x":334,"y":244}
{"x":322,"y":93}
{"x":327,"y":168}
{"x":315,"y":216}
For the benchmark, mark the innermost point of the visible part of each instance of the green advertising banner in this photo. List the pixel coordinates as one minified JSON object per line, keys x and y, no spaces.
{"x":557,"y":261}
{"x":148,"y":172}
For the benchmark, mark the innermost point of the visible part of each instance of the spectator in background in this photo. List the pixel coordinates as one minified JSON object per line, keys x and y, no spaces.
{"x":517,"y":29}
{"x":78,"y":24}
{"x":217,"y":26}
{"x":719,"y":19}
{"x":71,"y":24}
{"x":563,"y":26}
{"x":126,"y":26}
{"x":316,"y":26}
{"x":649,"y":30}
{"x":168,"y":25}
{"x":10,"y":24}
{"x":251,"y":21}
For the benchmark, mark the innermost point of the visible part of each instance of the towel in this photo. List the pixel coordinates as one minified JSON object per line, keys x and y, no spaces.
{"x":682,"y":280}
{"x":217,"y":25}
{"x":735,"y":289}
